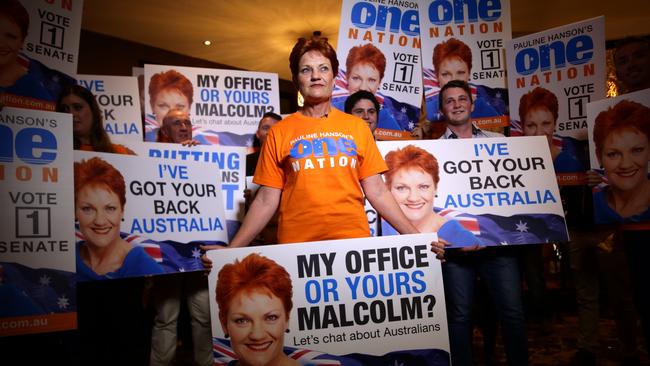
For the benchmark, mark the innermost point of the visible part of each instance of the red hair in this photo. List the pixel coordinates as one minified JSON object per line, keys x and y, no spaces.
{"x":450,"y":49}
{"x":314,"y":44}
{"x":97,"y":172}
{"x":536,"y":98}
{"x":253,"y":273}
{"x":411,"y":157}
{"x":16,"y":12}
{"x":366,"y":54}
{"x":170,"y":80}
{"x":625,"y":115}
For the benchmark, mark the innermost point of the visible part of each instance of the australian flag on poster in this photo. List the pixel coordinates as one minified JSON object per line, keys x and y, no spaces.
{"x":224,"y":355}
{"x":394,"y":115}
{"x":495,"y":230}
{"x":201,"y":134}
{"x":26,"y":291}
{"x":172,"y":256}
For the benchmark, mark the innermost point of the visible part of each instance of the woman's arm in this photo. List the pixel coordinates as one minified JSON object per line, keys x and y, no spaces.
{"x":383,"y":201}
{"x":260,"y":212}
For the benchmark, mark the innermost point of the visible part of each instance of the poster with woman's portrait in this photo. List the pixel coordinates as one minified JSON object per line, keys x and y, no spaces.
{"x":552,"y":76}
{"x":225,"y":106}
{"x":119,"y":102}
{"x":366,"y":301}
{"x":619,"y":146}
{"x":40,"y":51}
{"x":37,"y":265}
{"x":379,"y":51}
{"x":476,"y":192}
{"x":465,"y":41}
{"x":138,"y":216}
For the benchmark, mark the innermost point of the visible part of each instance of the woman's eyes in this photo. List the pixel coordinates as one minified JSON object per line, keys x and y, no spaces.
{"x":272,"y":317}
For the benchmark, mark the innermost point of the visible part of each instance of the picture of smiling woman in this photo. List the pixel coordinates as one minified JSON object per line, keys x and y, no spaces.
{"x":622,"y":140}
{"x":100,"y":196}
{"x":538,"y":110}
{"x":365,"y":67}
{"x":412,"y":177}
{"x":19,"y":74}
{"x":254,"y":299}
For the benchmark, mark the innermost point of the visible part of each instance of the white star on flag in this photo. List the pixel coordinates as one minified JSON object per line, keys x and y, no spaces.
{"x":63,"y":302}
{"x":403,"y":110}
{"x":181,"y":269}
{"x":504,"y":243}
{"x":249,"y":142}
{"x":522,"y":227}
{"x":411,"y":125}
{"x":196,"y":253}
{"x":44,"y":280}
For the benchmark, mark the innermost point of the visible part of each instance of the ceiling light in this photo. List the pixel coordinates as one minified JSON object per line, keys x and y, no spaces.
{"x":207,"y":42}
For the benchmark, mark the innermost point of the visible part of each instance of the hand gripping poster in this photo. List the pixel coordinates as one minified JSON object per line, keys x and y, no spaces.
{"x":476,"y":192}
{"x":40,"y":56}
{"x":227,"y":162}
{"x":225,"y":106}
{"x":619,"y":146}
{"x":37,"y":265}
{"x":119,"y":101}
{"x":466,"y":41}
{"x":367,"y":301}
{"x":379,"y":52}
{"x":149,"y":215}
{"x":552,"y":76}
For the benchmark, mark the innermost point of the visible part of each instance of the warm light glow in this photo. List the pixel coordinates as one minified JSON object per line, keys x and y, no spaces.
{"x":207,"y":42}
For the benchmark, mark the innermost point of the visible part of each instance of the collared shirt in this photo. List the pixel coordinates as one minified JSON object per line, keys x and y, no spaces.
{"x":476,"y":133}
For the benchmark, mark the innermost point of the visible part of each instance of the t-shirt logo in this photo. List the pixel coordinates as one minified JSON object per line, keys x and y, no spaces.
{"x":318,"y":151}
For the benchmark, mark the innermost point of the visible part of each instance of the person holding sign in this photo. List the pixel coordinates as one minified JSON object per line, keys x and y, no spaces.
{"x":412,"y":177}
{"x":452,"y":60}
{"x":538,"y":110}
{"x":21,"y":75}
{"x":364,"y":105}
{"x":498,"y":268}
{"x":87,"y":122}
{"x":631,"y":59}
{"x":365,"y":67}
{"x":254,"y":299}
{"x":168,"y":290}
{"x":622,"y":140}
{"x":176,"y":128}
{"x":100,"y":195}
{"x":317,"y":163}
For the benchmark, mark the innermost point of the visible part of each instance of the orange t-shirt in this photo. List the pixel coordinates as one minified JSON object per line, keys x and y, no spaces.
{"x":318,"y":163}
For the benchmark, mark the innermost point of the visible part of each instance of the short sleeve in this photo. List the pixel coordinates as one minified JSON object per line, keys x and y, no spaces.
{"x":269,"y":166}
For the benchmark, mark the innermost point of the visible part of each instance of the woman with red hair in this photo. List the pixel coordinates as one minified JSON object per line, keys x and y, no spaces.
{"x":254,"y":299}
{"x":622,"y":140}
{"x":100,"y":196}
{"x":365,"y":67}
{"x":452,"y":60}
{"x":538,"y":110}
{"x":412,"y":178}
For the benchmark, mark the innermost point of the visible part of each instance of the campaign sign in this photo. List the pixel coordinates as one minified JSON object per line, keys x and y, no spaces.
{"x":225,"y":106}
{"x":227,"y":161}
{"x":487,"y":192}
{"x":119,"y":101}
{"x":465,"y":41}
{"x":379,"y":51}
{"x":37,"y":265}
{"x":552,"y":76}
{"x":619,"y":150}
{"x":367,"y":301}
{"x":43,"y":39}
{"x":164,"y":209}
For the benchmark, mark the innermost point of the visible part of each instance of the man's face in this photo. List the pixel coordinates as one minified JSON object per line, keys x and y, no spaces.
{"x":264,"y":127}
{"x":632,"y":65}
{"x":177,"y":126}
{"x":366,"y":110}
{"x":457,"y":106}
